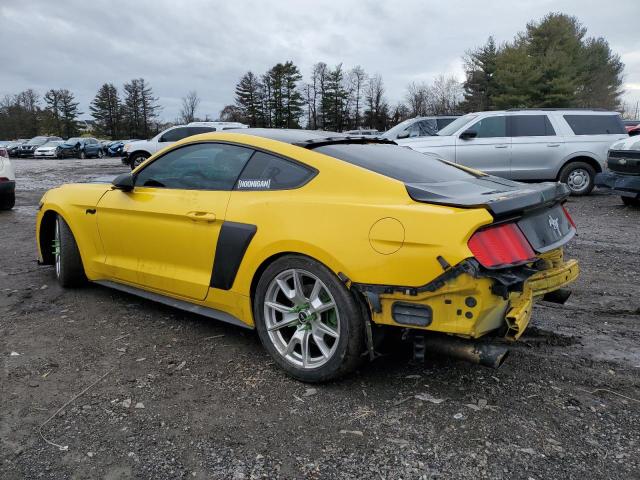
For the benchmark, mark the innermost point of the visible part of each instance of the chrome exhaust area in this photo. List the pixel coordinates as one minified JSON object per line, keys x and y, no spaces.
{"x":484,"y":354}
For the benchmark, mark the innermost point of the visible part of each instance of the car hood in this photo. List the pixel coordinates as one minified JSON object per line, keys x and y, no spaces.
{"x":428,"y":141}
{"x":631,"y":143}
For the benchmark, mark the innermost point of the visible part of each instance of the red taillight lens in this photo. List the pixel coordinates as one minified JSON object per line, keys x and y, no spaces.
{"x":501,"y":246}
{"x":566,"y":212}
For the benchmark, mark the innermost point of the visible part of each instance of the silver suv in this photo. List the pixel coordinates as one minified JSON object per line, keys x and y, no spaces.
{"x":549,"y":144}
{"x":418,"y":127}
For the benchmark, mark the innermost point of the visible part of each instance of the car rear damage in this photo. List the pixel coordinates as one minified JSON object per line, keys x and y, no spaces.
{"x":515,"y":260}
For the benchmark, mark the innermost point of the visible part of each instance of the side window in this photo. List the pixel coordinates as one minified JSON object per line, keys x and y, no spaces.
{"x":595,"y":124}
{"x":174,"y":135}
{"x":490,"y":127}
{"x":443,"y":122}
{"x":268,"y":172}
{"x":197,"y":130}
{"x":531,"y":126}
{"x":201,"y":166}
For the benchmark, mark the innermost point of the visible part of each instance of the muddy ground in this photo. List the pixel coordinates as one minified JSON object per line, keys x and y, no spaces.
{"x":181,"y":396}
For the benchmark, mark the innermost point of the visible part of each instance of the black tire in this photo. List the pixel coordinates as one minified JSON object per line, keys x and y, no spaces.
{"x":631,"y":201}
{"x":578,"y":169}
{"x":351,"y":342}
{"x":136,"y":159}
{"x":7,"y":201}
{"x":68,"y":263}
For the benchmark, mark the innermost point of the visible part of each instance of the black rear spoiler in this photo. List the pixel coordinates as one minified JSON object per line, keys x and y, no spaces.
{"x":503,"y":198}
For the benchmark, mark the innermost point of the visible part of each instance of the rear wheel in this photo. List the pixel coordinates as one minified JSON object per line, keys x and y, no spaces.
{"x":137,"y":159}
{"x":631,"y":201}
{"x":69,"y":269}
{"x":7,"y":201}
{"x":579,"y":177}
{"x":307,"y":320}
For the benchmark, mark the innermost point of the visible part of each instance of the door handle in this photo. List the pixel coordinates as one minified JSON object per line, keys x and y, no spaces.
{"x":202,"y":216}
{"x":553,"y":144}
{"x":502,"y":146}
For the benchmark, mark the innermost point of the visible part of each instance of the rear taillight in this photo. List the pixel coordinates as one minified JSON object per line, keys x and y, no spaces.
{"x":501,"y":246}
{"x":566,"y":212}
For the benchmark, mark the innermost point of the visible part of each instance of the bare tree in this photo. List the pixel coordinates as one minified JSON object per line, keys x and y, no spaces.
{"x":418,"y":98}
{"x":189,"y":106}
{"x":357,"y":78}
{"x":446,"y":95}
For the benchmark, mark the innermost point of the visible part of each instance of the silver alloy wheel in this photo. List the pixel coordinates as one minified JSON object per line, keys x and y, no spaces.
{"x":56,"y":247}
{"x":578,"y":180}
{"x":302,"y":318}
{"x":138,"y":160}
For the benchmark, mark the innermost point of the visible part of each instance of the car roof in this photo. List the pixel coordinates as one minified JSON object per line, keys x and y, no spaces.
{"x":289,"y":135}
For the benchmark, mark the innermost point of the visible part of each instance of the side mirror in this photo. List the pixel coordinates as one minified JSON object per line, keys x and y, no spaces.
{"x":123,"y":182}
{"x":468,"y":134}
{"x":403,"y":135}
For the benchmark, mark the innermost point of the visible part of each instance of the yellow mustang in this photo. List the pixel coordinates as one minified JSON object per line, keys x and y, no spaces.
{"x":316,"y":241}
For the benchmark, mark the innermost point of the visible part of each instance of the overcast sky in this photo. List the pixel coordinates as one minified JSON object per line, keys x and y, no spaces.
{"x":207,"y":45}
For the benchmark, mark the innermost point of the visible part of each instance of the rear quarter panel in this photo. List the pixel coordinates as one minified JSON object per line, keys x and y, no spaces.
{"x":331,"y":217}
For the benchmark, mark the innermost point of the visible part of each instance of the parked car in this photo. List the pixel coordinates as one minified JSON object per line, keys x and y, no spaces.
{"x":80,"y":147}
{"x":48,"y":150}
{"x":365,"y":132}
{"x":7,"y":181}
{"x":27,"y":149}
{"x":239,"y":246}
{"x":623,"y":171}
{"x":631,"y":124}
{"x":12,"y":147}
{"x":633,"y":131}
{"x":418,"y":127}
{"x":531,"y":145}
{"x":134,"y":153}
{"x":115,"y":148}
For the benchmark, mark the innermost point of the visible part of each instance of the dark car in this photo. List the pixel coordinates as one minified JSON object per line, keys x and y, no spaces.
{"x":26,"y":150}
{"x":12,"y":147}
{"x":623,"y":175}
{"x":81,"y":147}
{"x":115,"y":148}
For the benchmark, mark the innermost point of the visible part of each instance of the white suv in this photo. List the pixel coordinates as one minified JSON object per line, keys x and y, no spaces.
{"x":548,"y":144}
{"x":134,"y":153}
{"x":7,"y":181}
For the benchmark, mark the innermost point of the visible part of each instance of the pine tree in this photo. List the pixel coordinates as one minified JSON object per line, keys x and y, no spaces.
{"x":249,"y":99}
{"x":52,"y":111}
{"x":106,"y":109}
{"x":69,"y":113}
{"x":140,"y":109}
{"x":479,"y":86}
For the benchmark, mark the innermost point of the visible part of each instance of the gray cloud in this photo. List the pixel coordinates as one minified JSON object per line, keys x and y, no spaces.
{"x":205,"y":45}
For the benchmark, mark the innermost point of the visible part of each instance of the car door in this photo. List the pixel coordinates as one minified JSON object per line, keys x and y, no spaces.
{"x":536,"y":148}
{"x":489,"y":150}
{"x":162,"y":235}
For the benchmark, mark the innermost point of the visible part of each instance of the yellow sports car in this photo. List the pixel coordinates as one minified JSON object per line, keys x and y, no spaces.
{"x":318,"y":241}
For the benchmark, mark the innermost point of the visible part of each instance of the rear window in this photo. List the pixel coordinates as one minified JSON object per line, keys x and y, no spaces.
{"x":396,"y":162}
{"x":595,"y":124}
{"x":268,"y":172}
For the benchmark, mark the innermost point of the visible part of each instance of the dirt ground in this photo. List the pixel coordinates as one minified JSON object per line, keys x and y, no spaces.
{"x":181,"y":396}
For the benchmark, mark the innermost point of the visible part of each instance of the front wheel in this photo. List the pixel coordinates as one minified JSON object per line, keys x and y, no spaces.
{"x":69,"y":269}
{"x":579,"y":177}
{"x":307,"y":320}
{"x":137,"y":159}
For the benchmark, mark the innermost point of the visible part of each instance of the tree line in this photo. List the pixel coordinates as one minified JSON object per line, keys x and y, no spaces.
{"x":552,"y":63}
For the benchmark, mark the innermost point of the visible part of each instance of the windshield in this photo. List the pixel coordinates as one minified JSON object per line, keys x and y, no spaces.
{"x":396,"y":162}
{"x":394,"y":131}
{"x":55,"y":143}
{"x":454,"y":126}
{"x":37,"y":141}
{"x":73,"y":140}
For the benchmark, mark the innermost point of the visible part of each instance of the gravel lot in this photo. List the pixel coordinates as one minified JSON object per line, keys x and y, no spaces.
{"x":181,"y":396}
